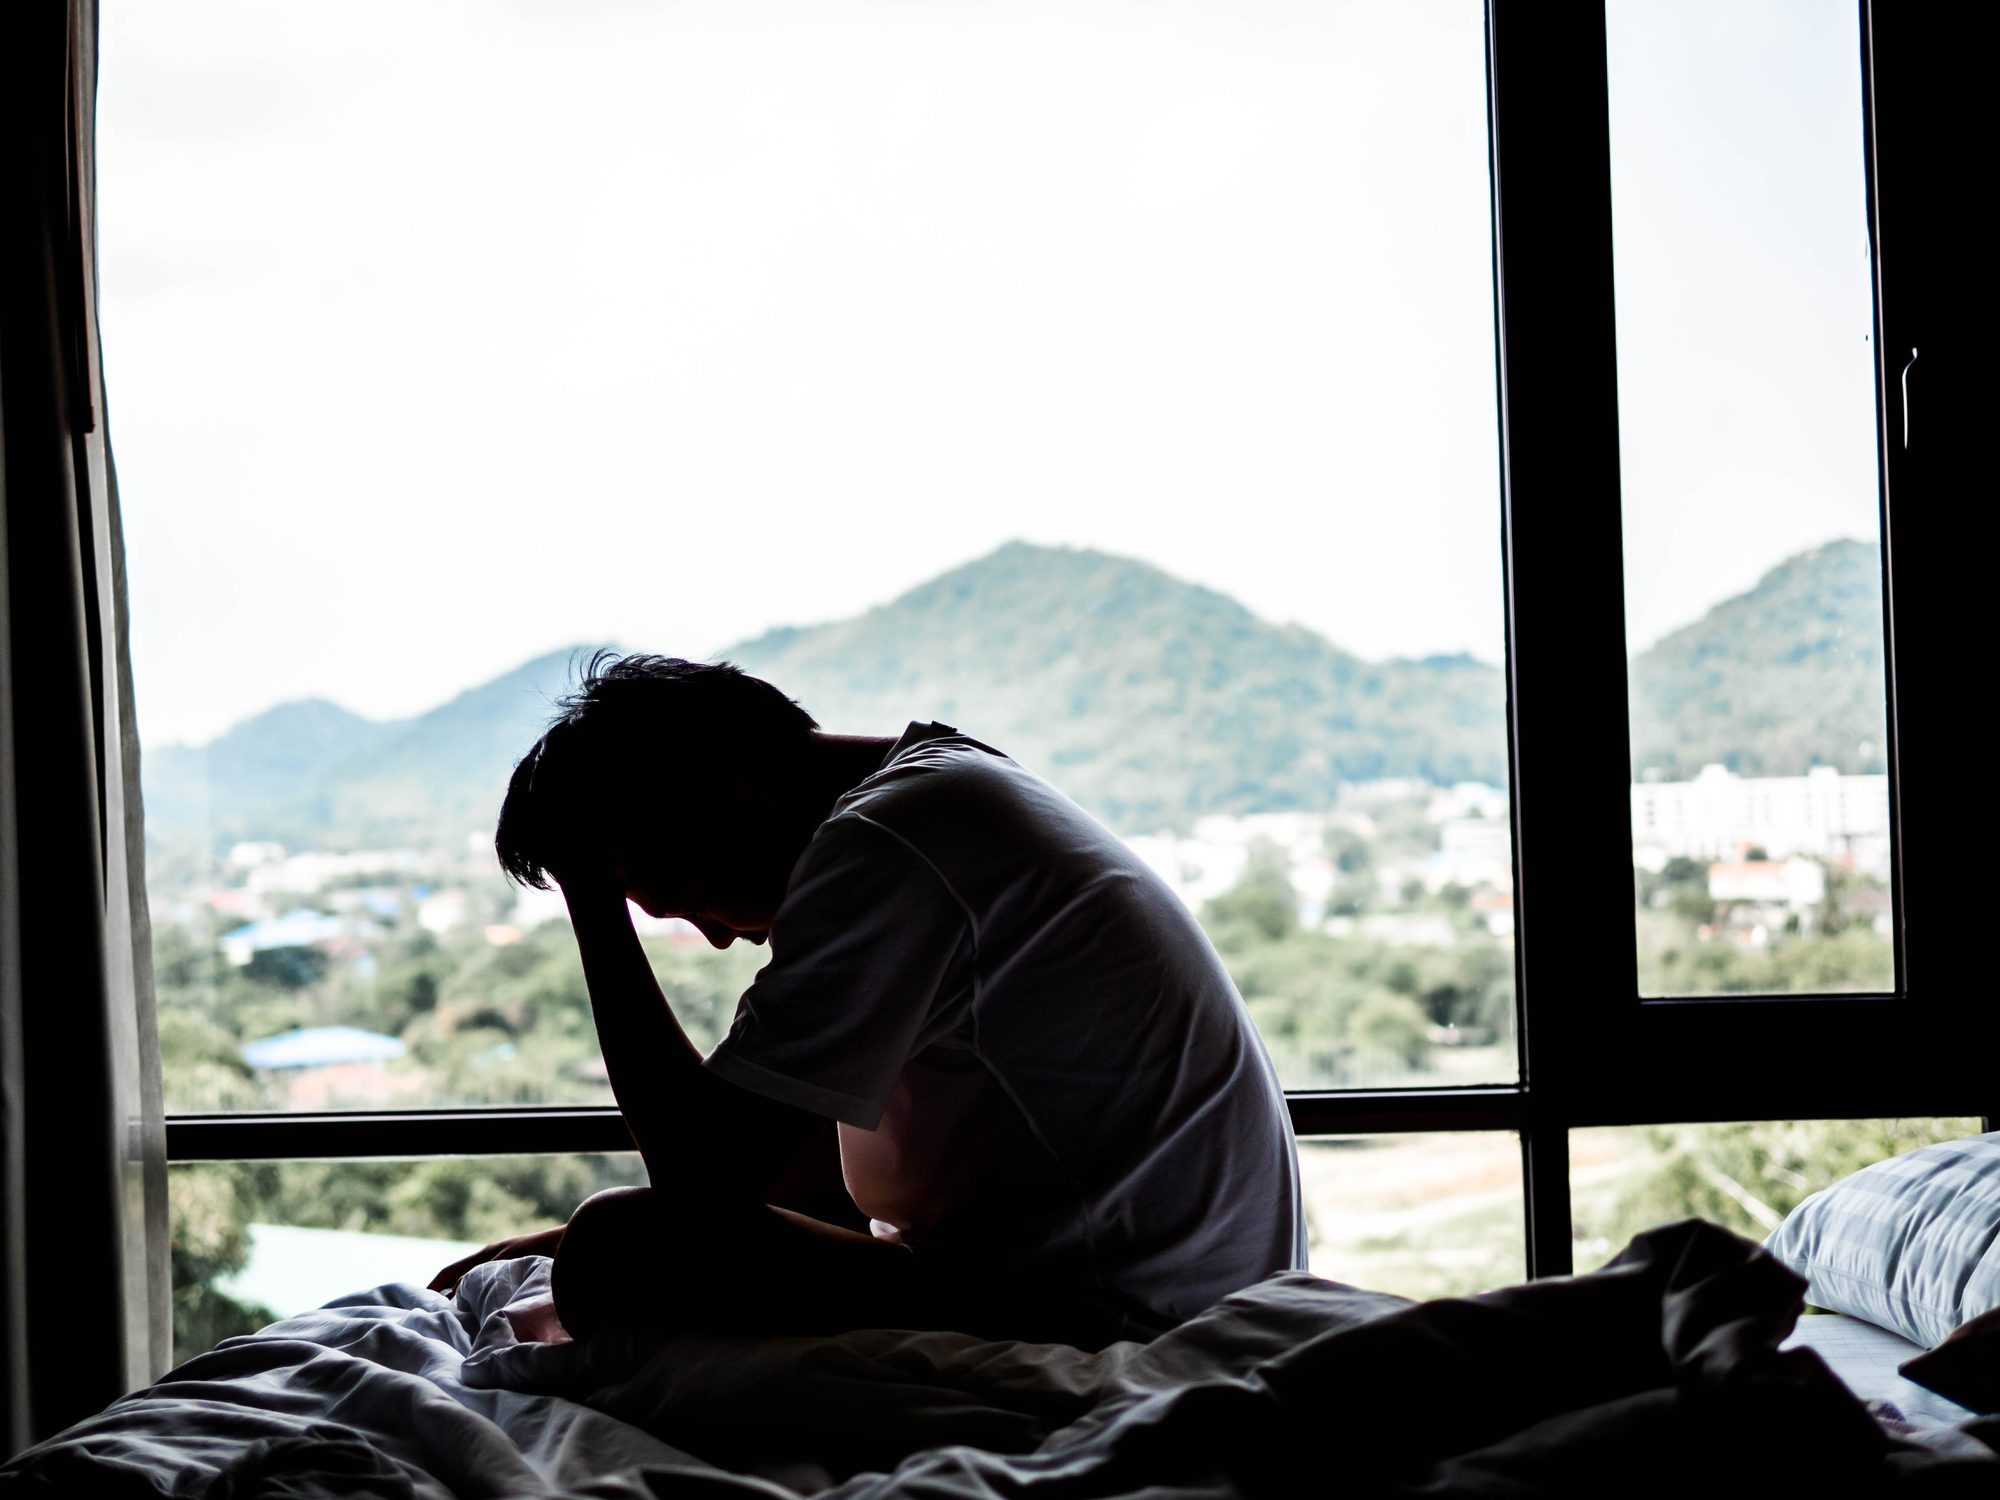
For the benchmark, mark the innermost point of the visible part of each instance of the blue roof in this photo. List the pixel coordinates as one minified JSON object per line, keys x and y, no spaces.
{"x":295,"y":929}
{"x":318,"y":1046}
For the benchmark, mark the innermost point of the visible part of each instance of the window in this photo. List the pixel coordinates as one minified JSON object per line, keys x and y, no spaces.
{"x":1107,"y":318}
{"x":1751,"y":486}
{"x":960,"y":368}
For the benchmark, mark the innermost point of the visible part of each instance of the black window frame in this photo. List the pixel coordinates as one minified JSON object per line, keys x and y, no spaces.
{"x":1592,"y":1051}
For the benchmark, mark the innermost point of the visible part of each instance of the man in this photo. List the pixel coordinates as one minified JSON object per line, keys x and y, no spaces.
{"x":993,"y":1077}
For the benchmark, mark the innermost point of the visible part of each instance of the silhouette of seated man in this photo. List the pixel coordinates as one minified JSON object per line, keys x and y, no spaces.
{"x":993,"y":1077}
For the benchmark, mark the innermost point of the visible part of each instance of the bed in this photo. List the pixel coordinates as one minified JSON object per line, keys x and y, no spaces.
{"x":1866,"y":1358}
{"x":1680,"y":1356}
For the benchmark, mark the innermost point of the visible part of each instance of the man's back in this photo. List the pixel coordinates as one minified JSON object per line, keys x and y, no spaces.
{"x":1035,"y":1055}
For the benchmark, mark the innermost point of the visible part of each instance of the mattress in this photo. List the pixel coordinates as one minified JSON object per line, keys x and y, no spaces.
{"x":1865,"y":1358}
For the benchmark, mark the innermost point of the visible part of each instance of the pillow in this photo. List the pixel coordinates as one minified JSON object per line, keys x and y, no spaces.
{"x":1911,"y":1244}
{"x":1965,"y":1368}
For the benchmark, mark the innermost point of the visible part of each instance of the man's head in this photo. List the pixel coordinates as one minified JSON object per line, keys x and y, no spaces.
{"x":676,"y":777}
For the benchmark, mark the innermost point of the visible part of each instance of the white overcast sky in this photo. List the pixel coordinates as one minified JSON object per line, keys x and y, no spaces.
{"x":439,"y":334}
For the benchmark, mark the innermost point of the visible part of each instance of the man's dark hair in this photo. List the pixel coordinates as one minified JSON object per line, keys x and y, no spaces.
{"x":630,"y":720}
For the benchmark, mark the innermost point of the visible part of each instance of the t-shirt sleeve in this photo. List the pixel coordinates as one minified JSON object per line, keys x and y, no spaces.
{"x":860,"y":951}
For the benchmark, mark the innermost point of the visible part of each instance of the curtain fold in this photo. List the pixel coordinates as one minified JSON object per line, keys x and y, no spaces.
{"x":84,"y":1297}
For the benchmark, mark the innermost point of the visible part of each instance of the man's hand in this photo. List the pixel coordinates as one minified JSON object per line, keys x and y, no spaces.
{"x":542,"y":1242}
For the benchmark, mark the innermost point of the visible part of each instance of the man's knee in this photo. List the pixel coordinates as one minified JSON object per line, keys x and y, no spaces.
{"x":600,"y":1247}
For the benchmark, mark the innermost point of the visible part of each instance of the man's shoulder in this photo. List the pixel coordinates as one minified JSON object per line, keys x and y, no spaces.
{"x":984,"y":821}
{"x":937,"y":772}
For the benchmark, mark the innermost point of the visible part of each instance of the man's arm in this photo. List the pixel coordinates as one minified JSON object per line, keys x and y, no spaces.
{"x":701,"y":1137}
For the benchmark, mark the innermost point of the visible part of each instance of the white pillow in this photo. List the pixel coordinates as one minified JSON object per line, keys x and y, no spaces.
{"x":1911,"y":1244}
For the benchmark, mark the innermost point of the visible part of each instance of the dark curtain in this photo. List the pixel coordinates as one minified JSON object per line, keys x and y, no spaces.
{"x":84,"y":1311}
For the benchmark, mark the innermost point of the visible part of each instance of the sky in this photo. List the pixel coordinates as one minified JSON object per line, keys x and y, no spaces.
{"x":439,"y":334}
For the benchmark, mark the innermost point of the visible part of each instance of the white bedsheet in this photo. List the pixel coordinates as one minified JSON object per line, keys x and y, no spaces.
{"x":1653,"y":1371}
{"x":363,"y":1396}
{"x":400,"y":1392}
{"x":1865,"y":1357}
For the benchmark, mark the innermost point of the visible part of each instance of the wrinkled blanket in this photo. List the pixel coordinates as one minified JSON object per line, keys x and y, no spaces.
{"x":1659,"y":1375}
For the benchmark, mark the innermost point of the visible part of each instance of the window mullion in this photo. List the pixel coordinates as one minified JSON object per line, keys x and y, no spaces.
{"x":1563,"y":543}
{"x":1545,"y":1185}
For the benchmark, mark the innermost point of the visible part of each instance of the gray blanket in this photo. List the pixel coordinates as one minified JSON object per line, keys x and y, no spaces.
{"x":1659,"y":1375}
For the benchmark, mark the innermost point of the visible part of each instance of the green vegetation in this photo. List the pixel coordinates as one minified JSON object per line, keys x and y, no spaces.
{"x":1353,"y":1012}
{"x":1149,"y":700}
{"x":1692,"y":944}
{"x":1745,"y":1177}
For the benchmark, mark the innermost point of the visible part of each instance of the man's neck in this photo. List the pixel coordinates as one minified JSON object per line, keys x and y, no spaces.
{"x":845,"y":761}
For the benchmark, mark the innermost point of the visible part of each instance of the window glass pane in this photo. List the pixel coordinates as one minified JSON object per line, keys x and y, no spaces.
{"x":1745,"y":1176}
{"x":1418,"y":1215}
{"x":1114,"y":382}
{"x":1747,"y":435}
{"x":254,"y":1241}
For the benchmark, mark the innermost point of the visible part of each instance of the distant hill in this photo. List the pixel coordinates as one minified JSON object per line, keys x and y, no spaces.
{"x":1149,"y":699}
{"x":259,"y":769}
{"x":313,"y":773}
{"x":1771,"y":682}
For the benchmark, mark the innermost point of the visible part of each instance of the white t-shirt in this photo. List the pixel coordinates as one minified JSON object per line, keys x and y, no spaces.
{"x":1034,"y":1054}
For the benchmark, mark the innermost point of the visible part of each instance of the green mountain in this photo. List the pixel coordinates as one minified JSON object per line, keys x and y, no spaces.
{"x":1787,"y":676}
{"x":258,"y":770}
{"x":313,"y":774}
{"x":1149,"y":699}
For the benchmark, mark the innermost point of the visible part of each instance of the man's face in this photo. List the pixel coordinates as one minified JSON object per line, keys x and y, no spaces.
{"x":720,"y":917}
{"x":720,"y":885}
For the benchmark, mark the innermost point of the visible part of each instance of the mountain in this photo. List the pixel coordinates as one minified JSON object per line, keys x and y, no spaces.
{"x":1149,"y":699}
{"x":311,"y":773}
{"x":450,"y":765}
{"x":1784,"y":677}
{"x":257,"y":770}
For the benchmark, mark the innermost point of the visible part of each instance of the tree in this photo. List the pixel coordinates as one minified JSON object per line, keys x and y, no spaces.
{"x":1261,"y":906}
{"x":1745,"y":1177}
{"x":208,"y":1238}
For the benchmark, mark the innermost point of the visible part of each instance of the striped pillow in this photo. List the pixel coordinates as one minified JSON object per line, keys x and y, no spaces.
{"x":1911,"y":1244}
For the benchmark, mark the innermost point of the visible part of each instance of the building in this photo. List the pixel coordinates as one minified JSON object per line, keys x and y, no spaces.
{"x":1722,"y":816}
{"x":301,"y":928}
{"x":315,"y":869}
{"x":331,"y":1067}
{"x":1472,"y":852}
{"x":1796,"y":884}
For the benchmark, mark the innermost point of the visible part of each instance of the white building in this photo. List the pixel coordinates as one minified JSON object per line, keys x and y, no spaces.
{"x":1195,"y":869}
{"x":1796,"y":883}
{"x":250,"y":854}
{"x":534,"y":906}
{"x":1468,"y":799}
{"x":441,"y":911}
{"x":1473,"y":851}
{"x":1722,"y":816}
{"x":315,"y":869}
